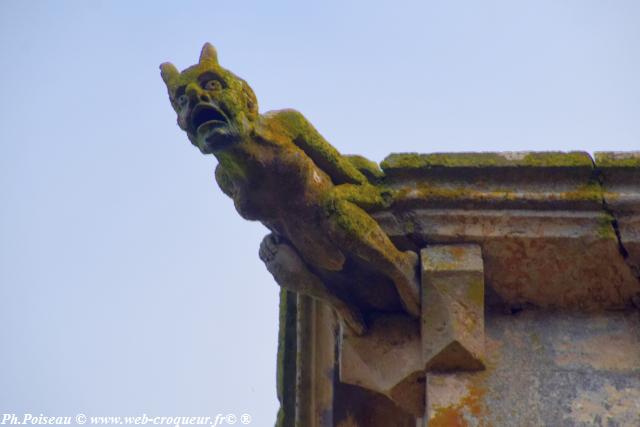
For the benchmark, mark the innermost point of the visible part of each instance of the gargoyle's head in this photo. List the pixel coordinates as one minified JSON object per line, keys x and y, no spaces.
{"x":214,"y":106}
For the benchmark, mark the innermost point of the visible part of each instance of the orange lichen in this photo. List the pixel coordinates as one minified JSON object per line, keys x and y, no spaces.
{"x":457,"y":415}
{"x":458,"y":252}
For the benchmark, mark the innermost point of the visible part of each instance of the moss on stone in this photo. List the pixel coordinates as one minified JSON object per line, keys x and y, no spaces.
{"x":280,"y":419}
{"x":421,"y":161}
{"x":369,"y":168}
{"x":349,"y":218}
{"x":368,"y":197}
{"x":409,"y":227}
{"x":610,"y":159}
{"x":557,"y":159}
{"x":424,"y":191}
{"x":408,"y":161}
{"x":475,"y":292}
{"x":327,"y":157}
{"x":430,"y":191}
{"x":591,"y":191}
{"x":605,"y":228}
{"x":234,"y":169}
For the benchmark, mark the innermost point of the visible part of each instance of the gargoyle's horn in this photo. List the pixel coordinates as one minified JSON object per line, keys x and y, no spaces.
{"x":168,"y":71}
{"x":208,"y":53}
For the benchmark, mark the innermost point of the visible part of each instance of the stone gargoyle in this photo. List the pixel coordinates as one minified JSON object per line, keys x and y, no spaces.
{"x":279,"y":170}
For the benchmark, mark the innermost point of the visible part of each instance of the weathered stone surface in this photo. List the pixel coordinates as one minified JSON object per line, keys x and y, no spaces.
{"x":290,"y":272}
{"x":286,"y":365}
{"x":316,"y":332}
{"x":543,"y":230}
{"x":621,"y":180}
{"x":523,"y":180}
{"x":278,"y":169}
{"x":452,"y":307}
{"x":629,"y":228}
{"x":561,"y":259}
{"x":546,"y":368}
{"x":530,"y":212}
{"x":358,"y":407}
{"x":387,"y":360}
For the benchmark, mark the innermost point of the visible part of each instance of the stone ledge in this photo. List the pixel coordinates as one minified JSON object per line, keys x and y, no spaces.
{"x":526,"y":253}
{"x":530,"y":180}
{"x":529,"y":212}
{"x":404,"y":162}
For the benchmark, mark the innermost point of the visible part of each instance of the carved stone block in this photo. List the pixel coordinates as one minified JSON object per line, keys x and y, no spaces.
{"x":387,"y":360}
{"x":452,"y":307}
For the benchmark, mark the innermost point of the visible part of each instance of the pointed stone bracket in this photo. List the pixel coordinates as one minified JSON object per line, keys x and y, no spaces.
{"x":387,"y":360}
{"x":452,"y":308}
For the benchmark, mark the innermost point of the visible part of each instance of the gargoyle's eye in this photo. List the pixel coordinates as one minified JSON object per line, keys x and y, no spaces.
{"x":212,"y":85}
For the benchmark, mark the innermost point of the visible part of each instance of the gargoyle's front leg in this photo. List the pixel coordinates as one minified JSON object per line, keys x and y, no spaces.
{"x":358,"y":233}
{"x":290,"y":272}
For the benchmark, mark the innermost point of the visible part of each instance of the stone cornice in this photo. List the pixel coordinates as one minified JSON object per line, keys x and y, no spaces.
{"x":531,"y":213}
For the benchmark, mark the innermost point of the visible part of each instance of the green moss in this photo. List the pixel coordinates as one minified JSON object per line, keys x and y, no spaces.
{"x":421,"y":161}
{"x":280,"y":419}
{"x":350,"y":218}
{"x":234,"y":169}
{"x":475,"y":292}
{"x":368,"y":167}
{"x":430,"y":191}
{"x":327,"y":157}
{"x":605,"y":228}
{"x":486,"y":159}
{"x":557,"y":159}
{"x":424,"y":191}
{"x":367,"y":197}
{"x":409,"y":227}
{"x":589,"y":192}
{"x":618,"y":160}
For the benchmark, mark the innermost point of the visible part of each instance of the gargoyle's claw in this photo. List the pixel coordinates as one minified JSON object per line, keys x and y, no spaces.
{"x":269,"y":248}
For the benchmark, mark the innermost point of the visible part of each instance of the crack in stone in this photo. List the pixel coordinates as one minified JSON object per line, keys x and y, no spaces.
{"x":616,"y":227}
{"x":605,"y":207}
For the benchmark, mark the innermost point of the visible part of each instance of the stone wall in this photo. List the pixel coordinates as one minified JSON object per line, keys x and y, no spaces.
{"x":530,"y":293}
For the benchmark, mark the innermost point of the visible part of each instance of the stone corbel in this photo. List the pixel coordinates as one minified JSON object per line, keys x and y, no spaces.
{"x":387,"y":360}
{"x":397,"y":352}
{"x":453,"y":336}
{"x":397,"y":356}
{"x":452,"y":308}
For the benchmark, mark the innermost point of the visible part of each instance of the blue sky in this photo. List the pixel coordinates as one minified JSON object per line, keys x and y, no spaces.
{"x":129,"y":284}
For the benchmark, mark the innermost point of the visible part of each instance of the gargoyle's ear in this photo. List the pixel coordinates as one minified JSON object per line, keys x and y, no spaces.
{"x":208,"y":53}
{"x":168,"y":71}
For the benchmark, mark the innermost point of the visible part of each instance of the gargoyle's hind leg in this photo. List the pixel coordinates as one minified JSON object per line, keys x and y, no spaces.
{"x":290,"y":272}
{"x":356,"y":232}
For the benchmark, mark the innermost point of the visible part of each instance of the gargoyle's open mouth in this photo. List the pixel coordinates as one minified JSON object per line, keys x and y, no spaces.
{"x":207,"y":114}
